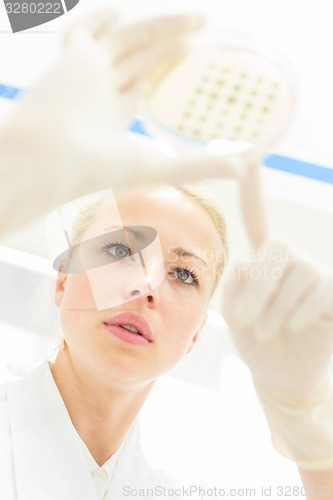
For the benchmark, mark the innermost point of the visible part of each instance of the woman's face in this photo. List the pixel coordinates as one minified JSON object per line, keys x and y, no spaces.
{"x":171,"y":314}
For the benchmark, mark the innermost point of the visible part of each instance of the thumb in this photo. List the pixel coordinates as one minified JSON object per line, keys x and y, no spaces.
{"x":90,"y":30}
{"x":173,"y":166}
{"x":128,"y":159}
{"x":195,"y":168}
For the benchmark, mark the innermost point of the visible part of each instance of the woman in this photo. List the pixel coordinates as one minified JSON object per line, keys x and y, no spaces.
{"x":67,"y":419}
{"x":78,"y":415}
{"x":104,"y":372}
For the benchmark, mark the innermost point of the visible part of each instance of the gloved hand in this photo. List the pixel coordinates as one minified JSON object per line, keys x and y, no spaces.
{"x":279,"y":307}
{"x":68,"y":135}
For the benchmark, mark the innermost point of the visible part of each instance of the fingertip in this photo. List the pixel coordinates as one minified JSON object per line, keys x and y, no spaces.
{"x":181,"y":24}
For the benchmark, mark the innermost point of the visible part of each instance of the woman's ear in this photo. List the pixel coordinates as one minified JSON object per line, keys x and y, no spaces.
{"x":196,"y":336}
{"x":60,"y":288}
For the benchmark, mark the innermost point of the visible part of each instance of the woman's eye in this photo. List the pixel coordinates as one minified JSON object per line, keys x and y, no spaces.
{"x":117,"y":250}
{"x":186,"y":276}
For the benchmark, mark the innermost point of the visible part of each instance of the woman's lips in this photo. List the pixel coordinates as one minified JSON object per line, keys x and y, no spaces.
{"x":114,"y":326}
{"x":130,"y":337}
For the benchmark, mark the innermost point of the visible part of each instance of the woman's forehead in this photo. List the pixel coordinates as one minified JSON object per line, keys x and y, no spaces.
{"x":143,"y":202}
{"x":165,"y":208}
{"x":150,"y":195}
{"x":172,"y":213}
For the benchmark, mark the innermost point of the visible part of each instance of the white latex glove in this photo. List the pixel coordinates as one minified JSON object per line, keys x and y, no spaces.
{"x":279,"y":307}
{"x":67,"y":137}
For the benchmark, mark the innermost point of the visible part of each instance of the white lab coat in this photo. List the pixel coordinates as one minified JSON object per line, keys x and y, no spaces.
{"x":41,"y":456}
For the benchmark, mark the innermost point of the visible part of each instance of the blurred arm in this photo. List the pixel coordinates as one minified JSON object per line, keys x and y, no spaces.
{"x":68,"y":136}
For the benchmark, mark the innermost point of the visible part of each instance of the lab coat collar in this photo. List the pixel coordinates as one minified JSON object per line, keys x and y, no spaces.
{"x":46,"y":450}
{"x":132,"y":470}
{"x":47,"y":454}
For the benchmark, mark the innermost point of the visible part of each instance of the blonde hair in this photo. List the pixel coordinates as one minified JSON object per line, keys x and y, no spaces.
{"x":202,"y":197}
{"x":85,"y":218}
{"x":207,"y":202}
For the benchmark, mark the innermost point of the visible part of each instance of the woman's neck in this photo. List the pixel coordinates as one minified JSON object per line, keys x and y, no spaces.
{"x":100,"y":414}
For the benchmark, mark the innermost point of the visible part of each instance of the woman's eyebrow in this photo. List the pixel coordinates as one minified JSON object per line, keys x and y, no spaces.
{"x":138,"y":234}
{"x":182,"y":252}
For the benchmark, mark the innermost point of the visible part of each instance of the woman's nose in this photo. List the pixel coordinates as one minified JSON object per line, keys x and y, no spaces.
{"x":137,"y":290}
